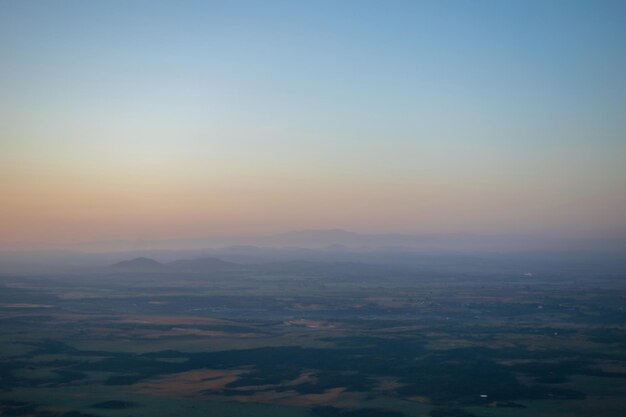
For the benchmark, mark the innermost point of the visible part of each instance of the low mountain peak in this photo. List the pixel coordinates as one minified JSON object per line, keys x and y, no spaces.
{"x":141,"y":262}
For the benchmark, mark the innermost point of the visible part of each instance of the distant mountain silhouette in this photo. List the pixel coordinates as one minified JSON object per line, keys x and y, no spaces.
{"x":295,"y":268}
{"x":341,"y":240}
{"x":205,"y":264}
{"x":139,"y":264}
{"x":339,"y":237}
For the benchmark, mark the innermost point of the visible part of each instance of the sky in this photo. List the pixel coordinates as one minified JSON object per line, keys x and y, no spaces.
{"x":182,"y":119}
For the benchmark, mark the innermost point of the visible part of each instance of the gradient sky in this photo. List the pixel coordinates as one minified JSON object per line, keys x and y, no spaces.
{"x":160,"y":120}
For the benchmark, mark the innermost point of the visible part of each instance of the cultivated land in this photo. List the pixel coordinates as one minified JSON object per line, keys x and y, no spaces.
{"x":312,"y":340}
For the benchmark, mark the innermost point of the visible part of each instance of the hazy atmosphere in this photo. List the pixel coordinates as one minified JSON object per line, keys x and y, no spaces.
{"x":147,"y":121}
{"x":312,"y":208}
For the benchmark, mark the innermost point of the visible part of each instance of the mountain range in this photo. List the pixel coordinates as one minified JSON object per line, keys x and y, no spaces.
{"x":338,"y":239}
{"x":326,"y":246}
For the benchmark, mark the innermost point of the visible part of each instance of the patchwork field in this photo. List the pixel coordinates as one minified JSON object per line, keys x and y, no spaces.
{"x":143,"y":344}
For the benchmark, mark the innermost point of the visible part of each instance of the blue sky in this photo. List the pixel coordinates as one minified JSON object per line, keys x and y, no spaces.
{"x":480,"y":116}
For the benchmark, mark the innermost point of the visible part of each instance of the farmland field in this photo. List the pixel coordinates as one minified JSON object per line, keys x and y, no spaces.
{"x":248,"y":344}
